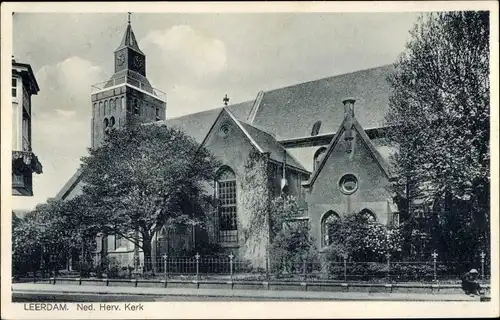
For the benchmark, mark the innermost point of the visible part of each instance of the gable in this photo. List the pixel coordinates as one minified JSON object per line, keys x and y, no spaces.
{"x":361,"y":139}
{"x":229,"y":143}
{"x":361,"y":163}
{"x":72,"y":188}
{"x":197,"y":125}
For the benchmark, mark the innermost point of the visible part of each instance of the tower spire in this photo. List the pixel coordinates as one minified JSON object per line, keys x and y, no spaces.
{"x":128,"y":39}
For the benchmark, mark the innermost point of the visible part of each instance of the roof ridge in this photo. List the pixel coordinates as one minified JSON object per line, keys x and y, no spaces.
{"x":277,"y":143}
{"x":329,"y":77}
{"x":209,"y":110}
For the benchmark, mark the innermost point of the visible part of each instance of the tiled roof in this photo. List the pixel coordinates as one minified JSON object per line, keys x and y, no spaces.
{"x":198,"y":124}
{"x":131,"y":77}
{"x":291,"y":111}
{"x":269,"y":144}
{"x":129,"y":40}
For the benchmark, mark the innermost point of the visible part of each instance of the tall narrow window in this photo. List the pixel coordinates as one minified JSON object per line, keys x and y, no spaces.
{"x":315,"y":128}
{"x":105,"y":126}
{"x":329,"y":224}
{"x":157,"y":113}
{"x":26,"y":137}
{"x":101,"y":110}
{"x":112,"y":102}
{"x":318,"y":157}
{"x":226,"y":193}
{"x":136,"y":107}
{"x":106,"y":110}
{"x":14,"y":87}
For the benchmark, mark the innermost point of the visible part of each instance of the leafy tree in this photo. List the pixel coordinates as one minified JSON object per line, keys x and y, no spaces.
{"x":291,"y":242}
{"x":356,"y":237}
{"x":49,"y":235}
{"x":145,"y":177}
{"x":439,"y":116}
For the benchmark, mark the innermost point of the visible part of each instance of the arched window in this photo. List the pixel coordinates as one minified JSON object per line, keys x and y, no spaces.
{"x":136,"y":107}
{"x":226,"y":195}
{"x":101,"y":110}
{"x":105,"y":125}
{"x":318,"y":156}
{"x":106,"y":110}
{"x":315,"y":128}
{"x":369,"y":215}
{"x":94,"y":110}
{"x":113,"y":106}
{"x":329,"y":223}
{"x":112,"y":122}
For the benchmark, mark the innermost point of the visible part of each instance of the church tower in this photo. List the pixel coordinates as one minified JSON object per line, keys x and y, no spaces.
{"x":127,"y":96}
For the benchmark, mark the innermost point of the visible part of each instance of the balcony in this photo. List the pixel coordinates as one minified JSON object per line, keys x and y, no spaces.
{"x":130,"y":81}
{"x":24,"y":163}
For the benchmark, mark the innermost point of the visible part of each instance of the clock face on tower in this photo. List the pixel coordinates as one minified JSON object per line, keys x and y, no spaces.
{"x":120,"y":59}
{"x":138,"y":63}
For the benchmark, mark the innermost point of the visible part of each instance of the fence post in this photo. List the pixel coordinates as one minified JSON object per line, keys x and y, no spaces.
{"x":268,"y":265}
{"x":345,"y":268}
{"x":136,"y":265}
{"x":483,"y":255}
{"x":434,"y":259}
{"x":197,"y":256}
{"x":231,"y":266}
{"x":165,"y":265}
{"x":304,"y":268}
{"x":388,"y":256}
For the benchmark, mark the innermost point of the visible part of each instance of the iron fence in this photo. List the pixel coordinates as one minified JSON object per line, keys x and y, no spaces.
{"x":230,"y":267}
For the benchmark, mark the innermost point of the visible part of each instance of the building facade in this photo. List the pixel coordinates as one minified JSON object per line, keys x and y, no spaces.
{"x":310,"y":142}
{"x":24,"y":160}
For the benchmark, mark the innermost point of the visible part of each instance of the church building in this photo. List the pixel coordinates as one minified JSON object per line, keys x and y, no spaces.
{"x":321,"y":141}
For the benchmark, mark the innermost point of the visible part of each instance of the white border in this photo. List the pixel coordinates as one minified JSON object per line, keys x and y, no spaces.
{"x":225,"y":310}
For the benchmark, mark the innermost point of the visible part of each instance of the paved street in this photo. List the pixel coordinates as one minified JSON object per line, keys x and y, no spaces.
{"x":72,"y":293}
{"x":76,"y":297}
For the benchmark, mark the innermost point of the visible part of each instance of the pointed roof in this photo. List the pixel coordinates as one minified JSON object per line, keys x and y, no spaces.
{"x":384,"y":166}
{"x":262,"y":141}
{"x":128,"y":40}
{"x":197,"y":125}
{"x":70,"y":185}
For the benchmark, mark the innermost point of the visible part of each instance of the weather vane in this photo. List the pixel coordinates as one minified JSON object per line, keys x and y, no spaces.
{"x":225,"y":100}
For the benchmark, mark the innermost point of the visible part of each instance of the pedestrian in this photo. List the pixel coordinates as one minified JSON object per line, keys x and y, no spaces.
{"x":470,"y":285}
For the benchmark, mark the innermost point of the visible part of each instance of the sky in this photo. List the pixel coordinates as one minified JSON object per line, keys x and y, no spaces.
{"x":195,"y":58}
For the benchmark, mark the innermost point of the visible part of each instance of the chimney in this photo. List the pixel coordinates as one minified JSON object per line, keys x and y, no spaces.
{"x":349,"y":106}
{"x":348,"y":117}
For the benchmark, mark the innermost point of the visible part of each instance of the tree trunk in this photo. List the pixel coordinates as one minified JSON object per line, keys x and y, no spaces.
{"x":147,"y":248}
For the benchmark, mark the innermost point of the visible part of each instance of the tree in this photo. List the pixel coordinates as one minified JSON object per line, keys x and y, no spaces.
{"x":145,"y":177}
{"x":439,"y":115}
{"x":49,"y":235}
{"x":357,"y":237}
{"x":291,"y":242}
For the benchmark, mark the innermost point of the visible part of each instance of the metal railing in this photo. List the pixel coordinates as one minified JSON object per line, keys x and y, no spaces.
{"x":131,"y":81}
{"x":229,"y":267}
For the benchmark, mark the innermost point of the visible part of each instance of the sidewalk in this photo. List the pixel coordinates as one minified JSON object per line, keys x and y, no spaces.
{"x":286,"y":295}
